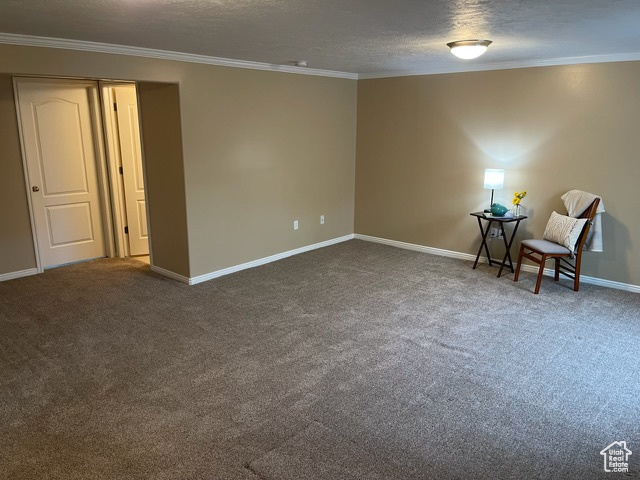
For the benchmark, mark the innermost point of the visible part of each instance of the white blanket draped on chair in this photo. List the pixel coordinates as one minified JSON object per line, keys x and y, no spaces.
{"x":576,"y":202}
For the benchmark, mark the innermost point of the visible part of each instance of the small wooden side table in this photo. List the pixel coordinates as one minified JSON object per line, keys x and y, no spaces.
{"x":489,"y":220}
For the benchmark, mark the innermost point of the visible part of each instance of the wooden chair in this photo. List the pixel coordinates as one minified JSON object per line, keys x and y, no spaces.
{"x":566,"y":261}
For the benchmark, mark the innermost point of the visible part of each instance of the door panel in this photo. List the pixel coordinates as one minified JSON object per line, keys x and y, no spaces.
{"x":58,"y":141}
{"x":59,"y":144}
{"x":142,"y":218}
{"x":133,"y":178}
{"x":69,"y":224}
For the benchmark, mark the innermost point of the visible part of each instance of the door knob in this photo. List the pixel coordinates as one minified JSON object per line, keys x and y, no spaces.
{"x":35,"y":188}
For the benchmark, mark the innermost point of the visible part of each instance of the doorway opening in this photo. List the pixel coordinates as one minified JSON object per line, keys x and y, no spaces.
{"x":83,"y":169}
{"x":124,"y":157}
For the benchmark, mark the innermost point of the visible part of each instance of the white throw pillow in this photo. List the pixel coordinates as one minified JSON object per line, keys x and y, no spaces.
{"x":564,"y":230}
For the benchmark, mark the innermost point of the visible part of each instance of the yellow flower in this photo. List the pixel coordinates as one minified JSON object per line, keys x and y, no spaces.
{"x":516,"y":201}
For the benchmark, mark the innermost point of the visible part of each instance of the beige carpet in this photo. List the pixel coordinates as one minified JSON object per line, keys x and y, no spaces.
{"x":142,"y":258}
{"x":353,"y":361}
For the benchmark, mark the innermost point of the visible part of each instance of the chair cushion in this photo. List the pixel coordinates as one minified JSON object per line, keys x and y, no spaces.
{"x":564,"y":230}
{"x":545,"y":246}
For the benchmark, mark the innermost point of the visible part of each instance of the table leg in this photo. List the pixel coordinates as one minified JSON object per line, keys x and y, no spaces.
{"x":484,"y":242}
{"x":507,"y":246}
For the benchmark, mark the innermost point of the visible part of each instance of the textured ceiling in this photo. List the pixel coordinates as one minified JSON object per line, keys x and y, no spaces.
{"x":367,"y":37}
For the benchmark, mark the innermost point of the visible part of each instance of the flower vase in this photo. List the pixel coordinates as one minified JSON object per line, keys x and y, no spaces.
{"x":516,"y":210}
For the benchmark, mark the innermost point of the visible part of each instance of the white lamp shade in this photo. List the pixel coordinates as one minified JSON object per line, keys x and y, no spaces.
{"x":493,"y":178}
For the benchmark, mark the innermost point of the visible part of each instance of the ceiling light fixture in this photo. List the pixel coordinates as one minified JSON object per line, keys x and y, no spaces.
{"x":468,"y":49}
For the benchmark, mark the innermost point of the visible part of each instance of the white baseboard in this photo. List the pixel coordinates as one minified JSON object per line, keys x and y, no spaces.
{"x":170,"y":274}
{"x":605,"y":283}
{"x":418,"y":248}
{"x":18,"y":274}
{"x":265,"y":260}
{"x":467,"y":256}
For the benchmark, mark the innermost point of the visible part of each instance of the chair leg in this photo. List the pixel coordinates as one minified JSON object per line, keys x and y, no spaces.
{"x":543,"y":260}
{"x":515,"y":277}
{"x":556,"y":275}
{"x":576,"y":275}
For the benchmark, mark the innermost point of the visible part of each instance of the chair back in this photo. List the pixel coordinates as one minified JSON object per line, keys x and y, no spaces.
{"x":589,"y":213}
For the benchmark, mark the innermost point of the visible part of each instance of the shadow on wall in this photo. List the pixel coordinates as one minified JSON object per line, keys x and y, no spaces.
{"x":614,"y":233}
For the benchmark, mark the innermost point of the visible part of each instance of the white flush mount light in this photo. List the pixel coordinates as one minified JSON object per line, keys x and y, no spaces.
{"x":468,"y":49}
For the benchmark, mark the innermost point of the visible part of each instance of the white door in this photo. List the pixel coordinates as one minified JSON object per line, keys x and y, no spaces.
{"x":132,"y":173}
{"x":58,"y":136}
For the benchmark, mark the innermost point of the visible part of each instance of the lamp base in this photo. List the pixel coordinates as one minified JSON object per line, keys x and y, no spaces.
{"x":488,"y":210}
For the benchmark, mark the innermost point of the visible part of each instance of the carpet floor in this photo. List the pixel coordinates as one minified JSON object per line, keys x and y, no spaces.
{"x":356,"y":361}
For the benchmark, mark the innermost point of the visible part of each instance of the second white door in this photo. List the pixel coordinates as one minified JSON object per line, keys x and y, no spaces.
{"x":132,"y":171}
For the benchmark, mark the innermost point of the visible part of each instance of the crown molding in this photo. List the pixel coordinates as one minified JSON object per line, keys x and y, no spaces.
{"x":470,"y":67}
{"x":81,"y":45}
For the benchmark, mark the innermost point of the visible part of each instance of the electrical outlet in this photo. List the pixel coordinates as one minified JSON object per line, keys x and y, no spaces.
{"x":295,"y":224}
{"x":495,"y":233}
{"x":321,"y":219}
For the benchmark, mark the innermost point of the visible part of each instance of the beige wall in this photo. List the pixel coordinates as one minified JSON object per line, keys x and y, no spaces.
{"x":423,"y":143}
{"x":269,"y":149}
{"x":164,"y":175}
{"x":16,"y":244}
{"x":260,"y":149}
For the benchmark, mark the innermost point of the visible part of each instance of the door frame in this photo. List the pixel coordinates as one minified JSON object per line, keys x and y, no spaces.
{"x":99,"y":144}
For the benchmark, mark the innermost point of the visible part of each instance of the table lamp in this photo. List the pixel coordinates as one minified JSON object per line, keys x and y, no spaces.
{"x":493,"y":179}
